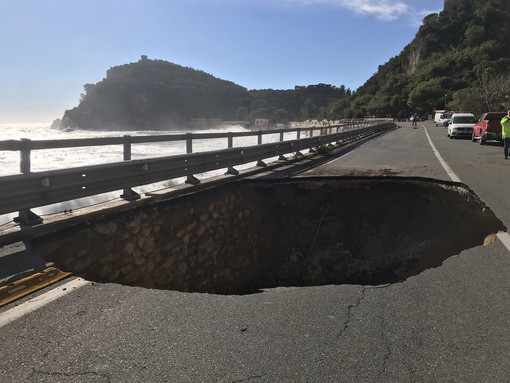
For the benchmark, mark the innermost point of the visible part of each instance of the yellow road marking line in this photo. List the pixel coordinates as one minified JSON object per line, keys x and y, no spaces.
{"x":27,"y":285}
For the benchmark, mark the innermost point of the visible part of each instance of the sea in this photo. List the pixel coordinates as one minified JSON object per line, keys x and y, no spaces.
{"x":53,"y":159}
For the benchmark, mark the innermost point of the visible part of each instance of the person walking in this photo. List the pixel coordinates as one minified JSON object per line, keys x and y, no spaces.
{"x":414,"y":119}
{"x":505,"y":133}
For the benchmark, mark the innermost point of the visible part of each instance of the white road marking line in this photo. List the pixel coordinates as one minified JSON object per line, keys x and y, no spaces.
{"x":38,"y":302}
{"x":505,"y":239}
{"x":336,"y":159}
{"x":448,"y":170}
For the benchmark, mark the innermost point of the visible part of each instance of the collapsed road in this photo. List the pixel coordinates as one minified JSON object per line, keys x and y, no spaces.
{"x":439,"y":312}
{"x":254,"y":234}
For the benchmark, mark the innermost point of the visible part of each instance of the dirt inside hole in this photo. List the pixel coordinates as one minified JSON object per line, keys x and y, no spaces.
{"x":255,"y":234}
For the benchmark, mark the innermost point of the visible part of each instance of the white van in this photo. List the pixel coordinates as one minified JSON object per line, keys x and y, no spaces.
{"x":441,"y":116}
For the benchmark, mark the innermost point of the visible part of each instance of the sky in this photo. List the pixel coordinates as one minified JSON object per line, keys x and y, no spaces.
{"x":51,"y":48}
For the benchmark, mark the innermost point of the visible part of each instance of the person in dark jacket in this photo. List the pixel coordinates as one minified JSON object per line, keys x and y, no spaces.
{"x":414,"y":119}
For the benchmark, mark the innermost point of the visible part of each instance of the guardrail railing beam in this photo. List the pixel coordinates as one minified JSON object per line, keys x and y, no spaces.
{"x":21,"y":192}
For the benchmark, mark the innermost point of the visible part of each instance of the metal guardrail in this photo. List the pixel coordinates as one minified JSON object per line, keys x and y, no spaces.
{"x":24,"y":191}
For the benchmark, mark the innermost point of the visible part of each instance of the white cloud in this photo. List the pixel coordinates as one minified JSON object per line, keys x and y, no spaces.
{"x":385,"y":10}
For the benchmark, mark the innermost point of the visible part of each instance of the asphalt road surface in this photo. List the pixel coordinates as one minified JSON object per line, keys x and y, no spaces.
{"x":447,"y":324}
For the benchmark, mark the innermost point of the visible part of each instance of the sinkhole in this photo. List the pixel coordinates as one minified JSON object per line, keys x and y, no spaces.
{"x":254,"y":234}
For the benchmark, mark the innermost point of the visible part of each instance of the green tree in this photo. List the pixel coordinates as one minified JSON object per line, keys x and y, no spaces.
{"x":467,"y":99}
{"x":242,"y":113}
{"x":260,"y":104}
{"x":451,"y":51}
{"x":378,"y":105}
{"x":260,"y":113}
{"x":359,"y":106}
{"x":474,"y":35}
{"x":280,"y":116}
{"x":426,"y":96}
{"x":338,"y":108}
{"x":309,"y":110}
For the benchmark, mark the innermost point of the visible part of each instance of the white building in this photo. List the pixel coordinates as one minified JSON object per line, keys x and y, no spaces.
{"x":261,"y":123}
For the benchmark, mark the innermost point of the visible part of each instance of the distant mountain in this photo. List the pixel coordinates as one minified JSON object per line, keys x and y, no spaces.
{"x":156,"y":94}
{"x":456,"y":49}
{"x":452,"y":55}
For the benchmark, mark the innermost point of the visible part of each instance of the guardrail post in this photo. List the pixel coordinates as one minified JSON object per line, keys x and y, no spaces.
{"x":259,"y":142}
{"x":281,"y":157}
{"x":190,"y":179}
{"x":24,"y":164}
{"x":128,"y":193}
{"x":298,"y":137}
{"x":339,"y":132}
{"x":312,"y":150}
{"x":26,"y":217}
{"x":231,"y":169}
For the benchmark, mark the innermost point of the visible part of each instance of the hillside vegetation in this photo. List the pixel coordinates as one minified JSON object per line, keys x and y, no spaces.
{"x":156,"y":94}
{"x":460,"y":49}
{"x":460,"y":59}
{"x":153,"y":94}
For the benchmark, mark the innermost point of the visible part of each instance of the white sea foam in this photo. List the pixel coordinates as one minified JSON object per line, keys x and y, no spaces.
{"x":52,"y":159}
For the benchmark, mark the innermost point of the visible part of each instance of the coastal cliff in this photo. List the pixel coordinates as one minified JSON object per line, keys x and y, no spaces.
{"x":159,"y":95}
{"x":153,"y":94}
{"x":453,"y":53}
{"x":453,"y":50}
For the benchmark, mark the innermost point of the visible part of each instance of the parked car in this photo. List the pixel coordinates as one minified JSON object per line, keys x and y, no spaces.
{"x":461,"y":125}
{"x":488,"y":128}
{"x":441,"y":116}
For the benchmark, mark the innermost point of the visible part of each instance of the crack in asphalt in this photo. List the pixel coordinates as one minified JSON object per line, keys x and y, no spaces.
{"x":384,"y":337}
{"x":349,"y":309}
{"x":387,"y":353}
{"x":356,"y":304}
